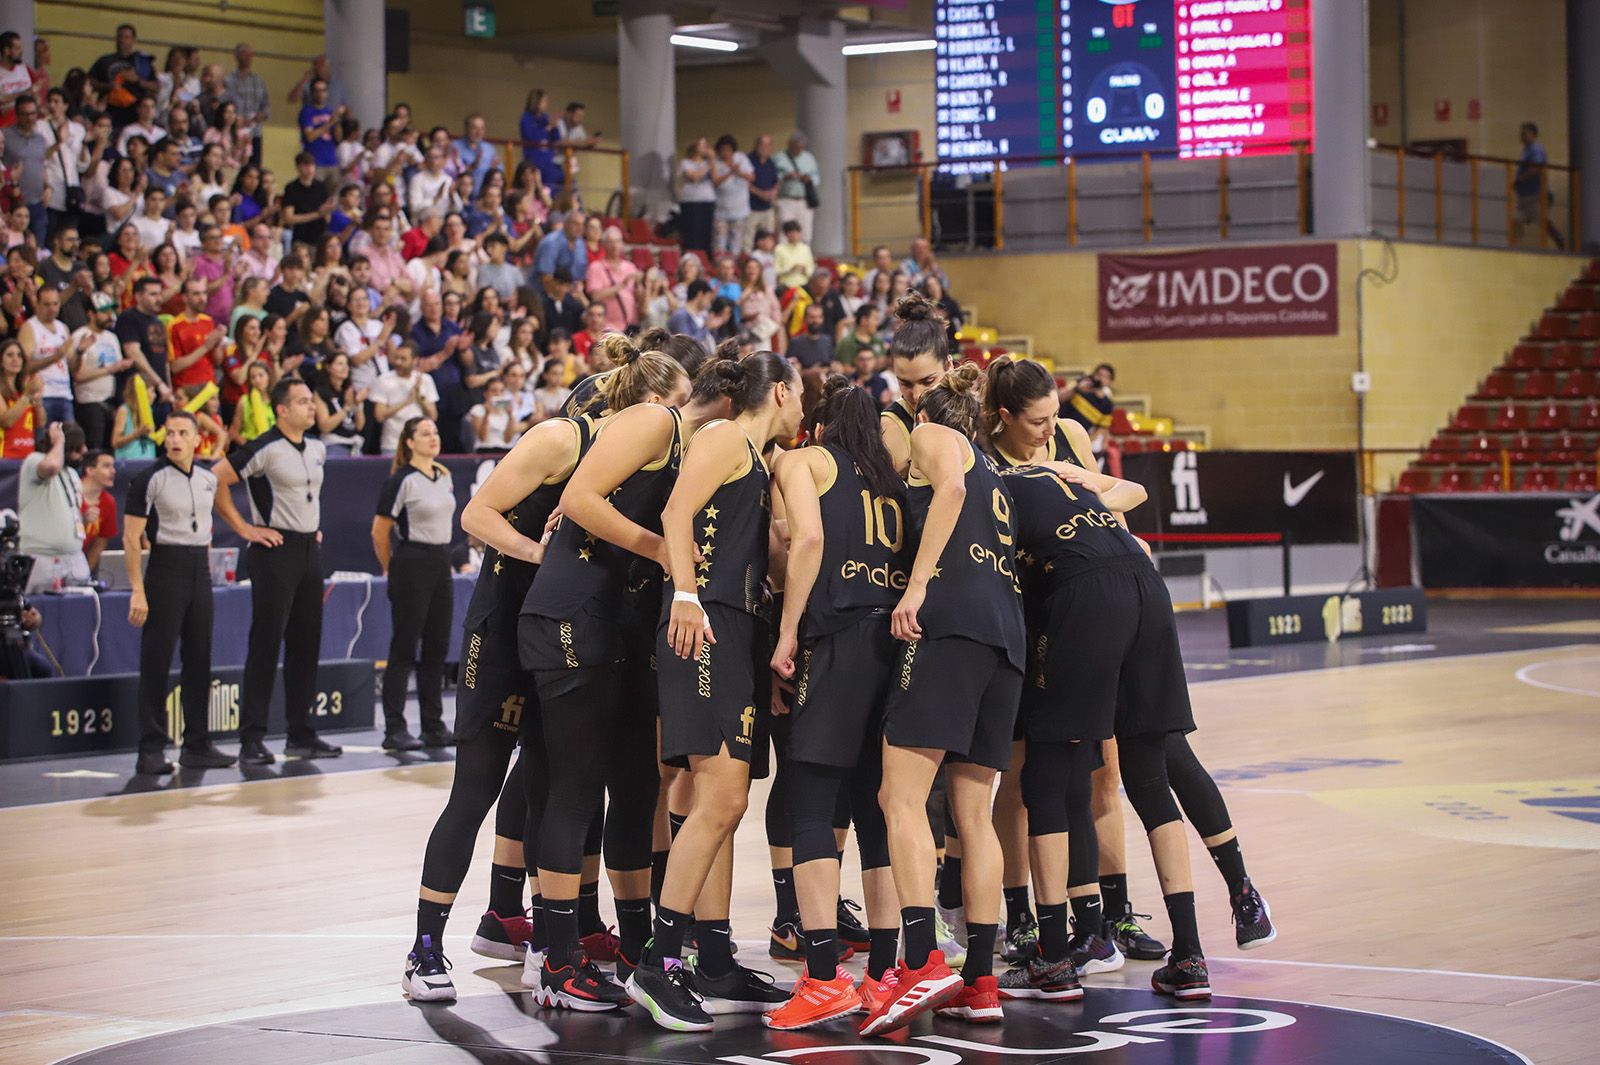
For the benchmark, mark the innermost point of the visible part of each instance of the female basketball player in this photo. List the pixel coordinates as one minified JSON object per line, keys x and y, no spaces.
{"x":495,"y":708}
{"x":1022,"y":427}
{"x":845,"y":513}
{"x":575,"y":630}
{"x":711,"y":657}
{"x":1106,"y":660}
{"x":955,"y":693}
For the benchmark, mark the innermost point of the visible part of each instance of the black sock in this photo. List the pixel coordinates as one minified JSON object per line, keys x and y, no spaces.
{"x":431,"y":918}
{"x":1053,"y":936}
{"x":788,"y":906}
{"x":1016,"y":906}
{"x":950,"y":884}
{"x":922,"y":938}
{"x":1185,"y":932}
{"x":589,"y":921}
{"x":633,"y":926}
{"x":822,"y":953}
{"x":880,"y":959}
{"x":1114,"y":894}
{"x":1230,"y":863}
{"x":541,"y":927}
{"x":658,"y":875}
{"x":980,"y":952}
{"x":561,"y":918}
{"x":716,"y":947}
{"x":1087,"y":916}
{"x":505,"y":889}
{"x":675,"y":822}
{"x":670,"y":928}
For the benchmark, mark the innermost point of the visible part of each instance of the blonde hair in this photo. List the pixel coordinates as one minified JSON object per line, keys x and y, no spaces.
{"x":957,"y":400}
{"x":638,"y":374}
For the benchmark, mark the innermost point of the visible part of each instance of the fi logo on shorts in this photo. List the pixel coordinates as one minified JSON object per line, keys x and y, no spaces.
{"x":511,"y":713}
{"x":747,"y":722}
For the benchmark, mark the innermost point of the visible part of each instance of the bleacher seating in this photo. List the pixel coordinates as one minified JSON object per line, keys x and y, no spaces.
{"x":1537,"y":413}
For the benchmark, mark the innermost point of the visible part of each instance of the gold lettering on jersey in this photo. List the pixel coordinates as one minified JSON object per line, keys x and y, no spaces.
{"x":905,"y":666}
{"x":1097,"y":519}
{"x":875,"y":511}
{"x":878,"y":576}
{"x":984,"y":556}
{"x":1041,"y":648}
{"x":702,"y":670}
{"x":747,"y":722}
{"x":511,"y":713}
{"x":565,"y":633}
{"x":469,"y":675}
{"x":805,"y":678}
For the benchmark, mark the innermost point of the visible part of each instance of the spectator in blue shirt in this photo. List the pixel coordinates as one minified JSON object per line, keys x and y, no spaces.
{"x":476,"y":155}
{"x":763,"y":194}
{"x":538,"y":136}
{"x":440,"y":343}
{"x":318,"y":122}
{"x":1528,"y":184}
{"x":486,"y":214}
{"x":562,"y":248}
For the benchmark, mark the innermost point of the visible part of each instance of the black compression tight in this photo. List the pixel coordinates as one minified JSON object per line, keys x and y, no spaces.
{"x":1196,"y":791}
{"x":480,"y":779}
{"x":815,"y":795}
{"x":1144,"y":778}
{"x":1056,"y":790}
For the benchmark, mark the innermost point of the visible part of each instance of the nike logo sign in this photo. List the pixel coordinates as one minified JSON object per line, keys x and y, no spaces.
{"x":919,"y":920}
{"x":1294,"y":493}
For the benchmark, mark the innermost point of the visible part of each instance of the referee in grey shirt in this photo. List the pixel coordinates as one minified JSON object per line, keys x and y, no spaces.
{"x":419,"y":503}
{"x":170,"y":504}
{"x":282,"y":470}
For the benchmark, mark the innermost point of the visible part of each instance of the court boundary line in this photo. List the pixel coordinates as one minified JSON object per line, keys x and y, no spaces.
{"x":1555,"y":687}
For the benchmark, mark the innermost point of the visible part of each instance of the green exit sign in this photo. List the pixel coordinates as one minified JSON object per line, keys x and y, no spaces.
{"x":480,"y":20}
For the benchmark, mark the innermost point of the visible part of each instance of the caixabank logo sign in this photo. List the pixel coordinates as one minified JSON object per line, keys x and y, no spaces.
{"x":1578,"y":542}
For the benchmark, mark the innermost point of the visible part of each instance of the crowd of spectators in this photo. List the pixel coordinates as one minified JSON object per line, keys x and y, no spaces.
{"x":152,"y":262}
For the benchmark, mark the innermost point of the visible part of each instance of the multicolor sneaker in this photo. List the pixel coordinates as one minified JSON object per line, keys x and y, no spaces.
{"x":624,"y":967}
{"x":1129,"y":938}
{"x":977,"y":1003}
{"x":1092,"y":954}
{"x":946,"y":938}
{"x":1021,"y":942}
{"x":916,"y":991}
{"x":1051,"y":981}
{"x":1184,"y":980}
{"x":665,"y":990}
{"x":740,"y":991}
{"x":601,"y":946}
{"x":427,"y":976}
{"x":787,"y":944}
{"x":504,"y":938}
{"x":874,"y":992}
{"x":815,"y":1001}
{"x":1252,"y":918}
{"x":851,"y":930}
{"x":578,"y":985}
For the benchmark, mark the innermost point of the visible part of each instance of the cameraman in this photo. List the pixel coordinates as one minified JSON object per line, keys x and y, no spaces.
{"x":38,"y":664}
{"x":50,"y":508}
{"x":1090,"y":404}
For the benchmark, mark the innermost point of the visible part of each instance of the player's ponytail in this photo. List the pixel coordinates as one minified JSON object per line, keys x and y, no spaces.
{"x":1011,"y":385}
{"x":638,"y":375}
{"x":847,"y":417}
{"x":957,"y":400}
{"x":745,"y":381}
{"x":920,"y":329}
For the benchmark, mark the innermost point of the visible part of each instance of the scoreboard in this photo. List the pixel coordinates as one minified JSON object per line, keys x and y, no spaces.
{"x":1058,"y":79}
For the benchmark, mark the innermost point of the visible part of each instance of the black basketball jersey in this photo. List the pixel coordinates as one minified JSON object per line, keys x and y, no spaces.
{"x":864,"y":560}
{"x":974,"y":592}
{"x":1059,"y":450}
{"x":1057,"y":523}
{"x":730,"y":532}
{"x":582,"y":571}
{"x":503,"y":582}
{"x":902,"y":416}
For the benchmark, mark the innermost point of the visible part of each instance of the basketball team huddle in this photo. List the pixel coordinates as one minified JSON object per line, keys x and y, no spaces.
{"x":908,"y":607}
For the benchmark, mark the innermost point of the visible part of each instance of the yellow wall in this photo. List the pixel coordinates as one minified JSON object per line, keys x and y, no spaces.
{"x":1449,"y":317}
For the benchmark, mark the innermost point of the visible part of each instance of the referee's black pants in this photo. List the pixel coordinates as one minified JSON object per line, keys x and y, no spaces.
{"x":285,"y":611}
{"x":177,"y":587}
{"x":421,"y":603}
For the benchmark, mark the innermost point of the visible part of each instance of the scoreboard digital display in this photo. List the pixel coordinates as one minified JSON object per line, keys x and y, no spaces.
{"x":1081,"y":78}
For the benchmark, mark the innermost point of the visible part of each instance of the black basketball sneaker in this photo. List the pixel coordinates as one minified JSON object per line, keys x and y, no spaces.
{"x":1092,"y":954}
{"x":740,"y":991}
{"x":1021,"y":941}
{"x":1185,"y":980}
{"x":1252,"y":918}
{"x":1050,"y":981}
{"x":578,"y":985}
{"x":504,"y":938}
{"x":427,"y":977}
{"x":851,"y":930}
{"x":1124,"y":931}
{"x":667,"y":993}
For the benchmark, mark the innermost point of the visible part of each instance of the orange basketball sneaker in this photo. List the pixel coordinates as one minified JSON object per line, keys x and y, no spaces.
{"x":978,"y":1002}
{"x":813,"y":1002}
{"x":915,"y":992}
{"x":873,"y":992}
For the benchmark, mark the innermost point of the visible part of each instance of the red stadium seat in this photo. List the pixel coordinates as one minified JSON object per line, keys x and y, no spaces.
{"x":643,"y":258}
{"x":1443,"y":451}
{"x":1470,"y":419}
{"x":1592,"y":271}
{"x":1498,"y":385}
{"x":1580,"y":385}
{"x":1480,"y":450}
{"x":1415,"y":480}
{"x":1565,"y":357}
{"x":1121,"y":424}
{"x":1587,"y":416}
{"x":1509,"y":418}
{"x":1525,"y":357}
{"x":1552,"y":327}
{"x":1578,"y":298}
{"x":1569,"y":447}
{"x":1551,"y":416}
{"x":637,"y":231}
{"x":1536,"y":385}
{"x":1177,"y":444}
{"x":1591,"y":357}
{"x":1580,"y":480}
{"x":1587,"y":327}
{"x":1524,"y":448}
{"x":1458,"y":481}
{"x":1494,"y":480}
{"x":830,"y":265}
{"x":1131,"y":445}
{"x":1537,"y":479}
{"x":669,"y":261}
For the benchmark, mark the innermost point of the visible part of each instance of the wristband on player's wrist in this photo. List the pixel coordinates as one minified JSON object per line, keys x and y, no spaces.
{"x":687,"y":597}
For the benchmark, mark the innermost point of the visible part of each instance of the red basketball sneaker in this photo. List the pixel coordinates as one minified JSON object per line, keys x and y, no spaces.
{"x":916,"y":991}
{"x":977,"y":1003}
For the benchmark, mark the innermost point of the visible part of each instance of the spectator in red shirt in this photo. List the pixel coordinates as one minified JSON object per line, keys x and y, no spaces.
{"x":419,"y":236}
{"x":594,"y":327}
{"x":99,"y":506}
{"x":194,"y":339}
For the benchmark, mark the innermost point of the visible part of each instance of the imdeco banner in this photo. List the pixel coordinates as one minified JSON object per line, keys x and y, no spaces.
{"x":1276,"y":290}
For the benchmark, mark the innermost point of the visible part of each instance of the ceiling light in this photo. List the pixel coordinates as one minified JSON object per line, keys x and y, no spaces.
{"x":883,"y":47}
{"x":710,"y":44}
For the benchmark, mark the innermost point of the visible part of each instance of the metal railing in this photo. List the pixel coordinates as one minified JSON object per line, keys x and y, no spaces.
{"x":605,"y":171}
{"x":1505,"y":460}
{"x":1468,"y":199}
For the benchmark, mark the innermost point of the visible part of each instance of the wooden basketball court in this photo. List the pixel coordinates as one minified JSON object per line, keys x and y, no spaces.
{"x":1427,"y":832}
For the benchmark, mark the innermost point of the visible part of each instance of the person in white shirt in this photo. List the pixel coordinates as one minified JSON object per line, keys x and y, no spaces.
{"x":96,"y":358}
{"x":144,"y":125}
{"x":402,"y":394}
{"x":367,"y":339}
{"x":494,"y":421}
{"x":429,"y":188}
{"x":15,"y":77}
{"x":184,"y":236}
{"x":522,"y":402}
{"x":44,"y":343}
{"x":731,"y":173}
{"x":151,"y":227}
{"x":65,"y":164}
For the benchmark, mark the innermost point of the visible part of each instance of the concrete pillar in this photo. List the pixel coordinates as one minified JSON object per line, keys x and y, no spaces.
{"x":353,"y":37}
{"x":647,"y":84}
{"x":1340,"y":168}
{"x":1583,"y":115}
{"x":17,"y":16}
{"x":811,"y":62}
